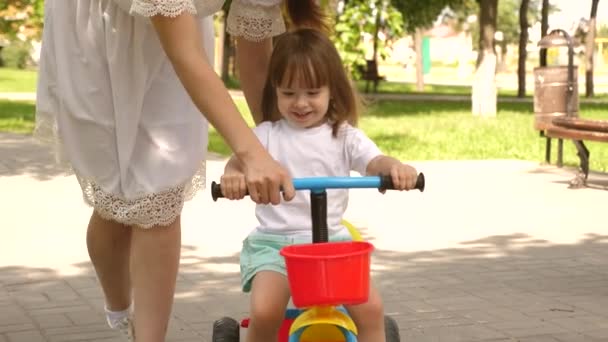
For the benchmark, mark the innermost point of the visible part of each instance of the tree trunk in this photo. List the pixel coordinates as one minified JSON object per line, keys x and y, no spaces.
{"x":225,"y":50}
{"x":376,"y":32}
{"x":484,"y":81}
{"x":419,"y":71}
{"x":590,"y":49}
{"x":544,"y":27}
{"x":523,"y":42}
{"x":502,"y":61}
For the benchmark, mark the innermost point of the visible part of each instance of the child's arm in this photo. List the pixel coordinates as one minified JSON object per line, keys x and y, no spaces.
{"x":232,"y":181}
{"x":403,"y":175}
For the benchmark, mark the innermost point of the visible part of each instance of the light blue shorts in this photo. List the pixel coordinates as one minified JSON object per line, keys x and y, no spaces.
{"x":261,"y":253}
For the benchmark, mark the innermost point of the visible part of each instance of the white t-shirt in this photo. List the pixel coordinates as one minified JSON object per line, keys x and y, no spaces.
{"x":312,"y":152}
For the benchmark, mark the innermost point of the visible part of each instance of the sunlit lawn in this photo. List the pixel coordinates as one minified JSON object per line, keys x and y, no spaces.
{"x":17,"y":81}
{"x":409,"y":130}
{"x":16,"y":116}
{"x":417,"y":130}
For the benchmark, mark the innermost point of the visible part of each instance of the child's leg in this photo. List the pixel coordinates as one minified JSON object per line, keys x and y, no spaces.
{"x":269,"y":299}
{"x":155,"y":256}
{"x":369,"y":318}
{"x":109,"y":244}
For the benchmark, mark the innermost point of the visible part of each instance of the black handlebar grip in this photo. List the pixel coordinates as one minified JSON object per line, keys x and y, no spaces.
{"x":386,"y":182}
{"x":216,"y":191}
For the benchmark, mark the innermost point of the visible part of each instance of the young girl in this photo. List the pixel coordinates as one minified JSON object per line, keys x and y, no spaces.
{"x":308,"y":88}
{"x":122,"y":85}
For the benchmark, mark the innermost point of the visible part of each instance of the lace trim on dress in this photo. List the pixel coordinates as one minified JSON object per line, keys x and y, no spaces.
{"x":267,"y":3}
{"x":254,"y":22}
{"x":157,"y":209}
{"x":167,"y":8}
{"x":46,"y":131}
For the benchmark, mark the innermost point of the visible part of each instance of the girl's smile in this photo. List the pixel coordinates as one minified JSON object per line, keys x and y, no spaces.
{"x":304,"y":107}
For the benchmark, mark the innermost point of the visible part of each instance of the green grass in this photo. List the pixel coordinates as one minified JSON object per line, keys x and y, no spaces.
{"x":216,"y":142}
{"x":386,"y":87}
{"x":418,"y":130}
{"x":422,"y":130}
{"x":17,"y":116}
{"x":18,"y":81}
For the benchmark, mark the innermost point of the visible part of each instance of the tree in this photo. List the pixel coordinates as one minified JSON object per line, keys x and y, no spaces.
{"x":484,"y":83}
{"x":523,"y":42}
{"x":21,"y":19}
{"x":360,"y":17}
{"x":20,"y":24}
{"x":421,"y":14}
{"x":418,"y":15}
{"x":528,"y":12}
{"x":590,"y":48}
{"x":513,"y":20}
{"x":544,"y":27}
{"x":507,"y":23}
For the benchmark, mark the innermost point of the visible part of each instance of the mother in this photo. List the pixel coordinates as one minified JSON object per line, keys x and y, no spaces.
{"x":122,"y":85}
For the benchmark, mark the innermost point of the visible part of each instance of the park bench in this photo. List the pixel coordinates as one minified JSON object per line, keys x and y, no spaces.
{"x":370,"y":74}
{"x":579,"y":130}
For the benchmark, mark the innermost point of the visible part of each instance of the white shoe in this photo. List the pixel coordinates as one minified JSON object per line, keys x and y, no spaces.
{"x":126,"y":328}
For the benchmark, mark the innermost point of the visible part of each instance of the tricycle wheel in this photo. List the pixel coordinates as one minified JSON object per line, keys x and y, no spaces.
{"x":391,"y":330}
{"x":226,"y":329}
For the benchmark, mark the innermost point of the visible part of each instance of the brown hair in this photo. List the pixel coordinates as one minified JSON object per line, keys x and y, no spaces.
{"x":309,"y":56}
{"x":307,"y":13}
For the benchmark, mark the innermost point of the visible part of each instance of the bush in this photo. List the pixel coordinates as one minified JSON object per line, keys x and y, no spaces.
{"x":17,"y":54}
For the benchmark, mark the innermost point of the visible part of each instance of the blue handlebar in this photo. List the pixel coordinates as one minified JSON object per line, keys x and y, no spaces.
{"x":321,"y":183}
{"x":316,"y":184}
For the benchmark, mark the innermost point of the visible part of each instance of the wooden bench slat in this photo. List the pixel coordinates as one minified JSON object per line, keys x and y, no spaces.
{"x":576,"y":134}
{"x":582,"y":124}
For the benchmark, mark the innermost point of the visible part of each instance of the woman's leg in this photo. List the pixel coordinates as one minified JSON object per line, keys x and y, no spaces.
{"x":369,"y":318}
{"x":269,"y":299}
{"x":109,"y":244}
{"x":155,"y":254}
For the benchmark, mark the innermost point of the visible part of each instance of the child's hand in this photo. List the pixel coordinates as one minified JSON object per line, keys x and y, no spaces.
{"x":404,"y":176}
{"x":233,"y":185}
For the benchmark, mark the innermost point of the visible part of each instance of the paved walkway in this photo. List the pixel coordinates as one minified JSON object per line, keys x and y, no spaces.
{"x":492,"y":251}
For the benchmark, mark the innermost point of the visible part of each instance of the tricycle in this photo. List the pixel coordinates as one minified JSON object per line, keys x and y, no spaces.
{"x":323,"y":276}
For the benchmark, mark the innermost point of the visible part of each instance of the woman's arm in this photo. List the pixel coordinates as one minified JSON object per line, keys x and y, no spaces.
{"x":252,"y":59}
{"x":182,"y":43}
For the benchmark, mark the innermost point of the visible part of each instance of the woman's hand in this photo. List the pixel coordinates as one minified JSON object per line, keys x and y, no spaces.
{"x":266,"y":179}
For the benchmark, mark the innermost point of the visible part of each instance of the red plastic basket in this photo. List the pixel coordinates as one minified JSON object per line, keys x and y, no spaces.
{"x":332,"y":273}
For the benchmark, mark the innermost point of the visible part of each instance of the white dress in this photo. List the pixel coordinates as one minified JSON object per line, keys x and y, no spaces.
{"x":110,"y":101}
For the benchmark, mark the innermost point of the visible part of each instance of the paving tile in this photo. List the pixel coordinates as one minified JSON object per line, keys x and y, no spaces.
{"x":26,"y":336}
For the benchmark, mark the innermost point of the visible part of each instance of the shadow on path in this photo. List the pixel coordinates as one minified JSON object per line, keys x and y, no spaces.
{"x":499,"y":288}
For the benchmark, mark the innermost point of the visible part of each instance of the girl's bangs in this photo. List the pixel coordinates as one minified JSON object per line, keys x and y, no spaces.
{"x":303,"y":72}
